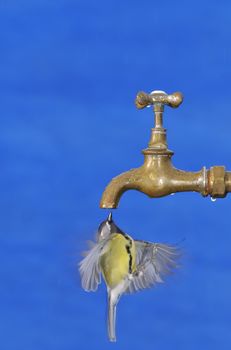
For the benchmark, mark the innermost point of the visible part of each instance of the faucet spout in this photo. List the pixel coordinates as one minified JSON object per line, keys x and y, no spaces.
{"x":118,"y":185}
{"x":155,"y":178}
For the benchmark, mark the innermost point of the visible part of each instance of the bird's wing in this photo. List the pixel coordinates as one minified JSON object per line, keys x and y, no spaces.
{"x":89,"y":267}
{"x":153,"y":261}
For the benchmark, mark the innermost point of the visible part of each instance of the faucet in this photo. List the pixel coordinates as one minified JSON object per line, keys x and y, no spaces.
{"x":157,"y":177}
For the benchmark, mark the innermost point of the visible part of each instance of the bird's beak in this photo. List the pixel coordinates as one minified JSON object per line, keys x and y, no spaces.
{"x":109,"y":219}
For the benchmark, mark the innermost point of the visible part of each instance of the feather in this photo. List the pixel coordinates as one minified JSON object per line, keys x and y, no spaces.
{"x":89,"y":267}
{"x":153,"y":261}
{"x":114,"y":295}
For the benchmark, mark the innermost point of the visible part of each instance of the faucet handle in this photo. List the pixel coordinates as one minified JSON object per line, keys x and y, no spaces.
{"x":158,"y":97}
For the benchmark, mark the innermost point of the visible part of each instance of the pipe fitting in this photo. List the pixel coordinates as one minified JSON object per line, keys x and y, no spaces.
{"x":216,"y":182}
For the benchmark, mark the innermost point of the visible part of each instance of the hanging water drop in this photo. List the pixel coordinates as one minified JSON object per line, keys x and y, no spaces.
{"x":213,"y":199}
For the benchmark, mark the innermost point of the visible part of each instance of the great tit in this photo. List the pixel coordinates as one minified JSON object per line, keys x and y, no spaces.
{"x":127,"y":265}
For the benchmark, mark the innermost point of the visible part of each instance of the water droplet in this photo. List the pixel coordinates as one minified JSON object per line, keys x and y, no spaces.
{"x":172,"y":194}
{"x":213,"y":199}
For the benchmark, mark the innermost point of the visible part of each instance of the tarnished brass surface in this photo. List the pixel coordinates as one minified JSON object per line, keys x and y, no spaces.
{"x":157,"y":177}
{"x":143,"y":100}
{"x":228,"y":181}
{"x":217,"y":183}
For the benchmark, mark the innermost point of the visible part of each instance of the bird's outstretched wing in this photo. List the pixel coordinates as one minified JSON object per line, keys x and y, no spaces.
{"x":89,"y":267}
{"x":153,"y":261}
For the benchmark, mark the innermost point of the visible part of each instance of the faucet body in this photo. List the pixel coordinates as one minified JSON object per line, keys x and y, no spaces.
{"x":157,"y":177}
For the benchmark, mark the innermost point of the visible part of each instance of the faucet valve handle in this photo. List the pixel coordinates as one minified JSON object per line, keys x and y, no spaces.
{"x":158,"y":97}
{"x":158,"y":141}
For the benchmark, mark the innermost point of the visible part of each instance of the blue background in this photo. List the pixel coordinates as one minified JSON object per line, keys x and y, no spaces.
{"x":69,"y":73}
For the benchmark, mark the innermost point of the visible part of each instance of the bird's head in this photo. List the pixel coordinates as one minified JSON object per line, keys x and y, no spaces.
{"x":107,"y":227}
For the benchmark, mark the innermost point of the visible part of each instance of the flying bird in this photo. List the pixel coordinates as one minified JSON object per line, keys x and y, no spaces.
{"x":127,"y":265}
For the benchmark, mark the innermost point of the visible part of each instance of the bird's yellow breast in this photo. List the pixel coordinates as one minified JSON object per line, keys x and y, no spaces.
{"x":118,"y":260}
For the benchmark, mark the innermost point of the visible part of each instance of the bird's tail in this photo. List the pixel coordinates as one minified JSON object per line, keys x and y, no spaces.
{"x":113,"y":299}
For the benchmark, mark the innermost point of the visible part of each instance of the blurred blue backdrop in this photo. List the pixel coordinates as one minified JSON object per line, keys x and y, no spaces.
{"x":69,"y":72}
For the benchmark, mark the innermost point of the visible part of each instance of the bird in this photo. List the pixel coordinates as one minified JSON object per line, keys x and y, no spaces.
{"x":127,"y":265}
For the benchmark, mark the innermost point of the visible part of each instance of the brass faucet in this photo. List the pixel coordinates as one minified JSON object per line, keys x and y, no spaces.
{"x":157,"y":177}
